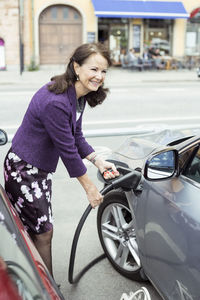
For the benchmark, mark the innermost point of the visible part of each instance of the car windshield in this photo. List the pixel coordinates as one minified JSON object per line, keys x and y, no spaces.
{"x":140,"y":147}
{"x":136,"y":148}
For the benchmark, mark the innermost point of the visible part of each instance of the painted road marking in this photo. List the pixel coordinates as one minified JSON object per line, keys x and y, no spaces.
{"x":141,"y":120}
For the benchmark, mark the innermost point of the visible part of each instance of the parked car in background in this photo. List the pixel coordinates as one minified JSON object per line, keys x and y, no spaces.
{"x":161,"y":44}
{"x":23,"y":275}
{"x":153,"y":232}
{"x":198,"y":72}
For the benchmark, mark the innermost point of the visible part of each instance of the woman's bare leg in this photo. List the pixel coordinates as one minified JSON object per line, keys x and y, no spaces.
{"x":43,"y":244}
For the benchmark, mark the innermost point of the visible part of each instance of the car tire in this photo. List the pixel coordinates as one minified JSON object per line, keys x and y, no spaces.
{"x":117,"y":238}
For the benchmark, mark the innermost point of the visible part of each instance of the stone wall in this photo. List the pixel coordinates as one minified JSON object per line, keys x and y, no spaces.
{"x":28,"y":33}
{"x":9,"y":31}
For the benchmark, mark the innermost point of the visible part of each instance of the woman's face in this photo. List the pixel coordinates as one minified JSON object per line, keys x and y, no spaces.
{"x":91,"y":74}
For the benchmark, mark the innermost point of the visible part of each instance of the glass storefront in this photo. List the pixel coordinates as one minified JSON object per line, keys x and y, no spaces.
{"x":158,"y":35}
{"x":113,"y":32}
{"x":193,"y":35}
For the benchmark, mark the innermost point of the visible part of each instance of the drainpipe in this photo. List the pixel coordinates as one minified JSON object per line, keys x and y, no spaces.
{"x":21,"y":42}
{"x":33,"y":32}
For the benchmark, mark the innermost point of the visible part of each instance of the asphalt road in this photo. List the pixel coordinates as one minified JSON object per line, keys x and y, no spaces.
{"x":136,"y":99}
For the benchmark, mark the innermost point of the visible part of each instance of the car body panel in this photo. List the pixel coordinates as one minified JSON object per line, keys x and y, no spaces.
{"x":171,"y":235}
{"x":21,"y":257}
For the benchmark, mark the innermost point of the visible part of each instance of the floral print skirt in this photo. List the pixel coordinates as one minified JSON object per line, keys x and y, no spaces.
{"x":29,"y":190}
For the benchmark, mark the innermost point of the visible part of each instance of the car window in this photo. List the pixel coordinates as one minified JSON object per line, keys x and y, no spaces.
{"x":176,"y":142}
{"x":193,"y":169}
{"x":186,"y":157}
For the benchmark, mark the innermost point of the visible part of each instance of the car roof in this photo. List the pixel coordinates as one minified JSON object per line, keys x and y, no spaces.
{"x":187,"y":142}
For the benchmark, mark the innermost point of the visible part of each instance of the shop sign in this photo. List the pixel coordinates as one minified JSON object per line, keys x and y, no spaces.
{"x":137,"y":38}
{"x":191,"y":39}
{"x":91,"y":37}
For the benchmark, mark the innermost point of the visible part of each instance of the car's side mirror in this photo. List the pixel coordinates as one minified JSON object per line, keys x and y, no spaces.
{"x":162,"y":165}
{"x":3,"y":137}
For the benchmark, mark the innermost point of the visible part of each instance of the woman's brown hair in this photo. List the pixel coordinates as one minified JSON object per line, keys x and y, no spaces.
{"x":61,"y":82}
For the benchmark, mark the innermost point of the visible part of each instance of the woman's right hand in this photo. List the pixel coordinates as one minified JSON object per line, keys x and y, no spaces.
{"x":94,"y":197}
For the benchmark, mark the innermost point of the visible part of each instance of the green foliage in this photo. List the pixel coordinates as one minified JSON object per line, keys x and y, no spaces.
{"x":33,"y":66}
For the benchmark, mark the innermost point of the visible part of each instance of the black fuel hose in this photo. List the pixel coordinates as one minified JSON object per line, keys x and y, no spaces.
{"x":75,"y":242}
{"x":115,"y":183}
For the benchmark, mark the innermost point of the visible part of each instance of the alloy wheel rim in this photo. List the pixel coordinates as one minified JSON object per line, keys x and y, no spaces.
{"x":119,"y":236}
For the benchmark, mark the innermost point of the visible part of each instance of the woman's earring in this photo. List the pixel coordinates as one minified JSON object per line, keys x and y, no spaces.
{"x":77,"y":77}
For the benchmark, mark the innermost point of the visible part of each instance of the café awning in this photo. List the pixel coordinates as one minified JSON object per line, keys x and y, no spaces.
{"x":139,"y":9}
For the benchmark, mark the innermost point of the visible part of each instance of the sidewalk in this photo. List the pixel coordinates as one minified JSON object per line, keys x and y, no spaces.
{"x":118,"y":76}
{"x":115,"y":76}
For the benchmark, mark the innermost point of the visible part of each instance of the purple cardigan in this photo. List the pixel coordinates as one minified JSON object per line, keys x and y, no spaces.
{"x":49,"y":130}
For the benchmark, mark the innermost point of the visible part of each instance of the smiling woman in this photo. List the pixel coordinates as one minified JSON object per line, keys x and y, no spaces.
{"x":91,"y":75}
{"x":90,"y":60}
{"x":52,"y":128}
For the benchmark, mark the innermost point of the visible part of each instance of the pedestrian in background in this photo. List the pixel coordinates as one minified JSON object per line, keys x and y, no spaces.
{"x":131,"y":57}
{"x":52,"y":128}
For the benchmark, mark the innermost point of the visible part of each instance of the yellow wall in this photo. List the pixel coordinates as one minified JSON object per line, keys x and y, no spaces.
{"x":179,"y":37}
{"x":9,"y":31}
{"x":190,"y":5}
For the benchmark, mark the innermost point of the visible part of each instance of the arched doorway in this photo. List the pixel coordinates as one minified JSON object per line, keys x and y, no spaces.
{"x":2,"y":55}
{"x":60,"y":32}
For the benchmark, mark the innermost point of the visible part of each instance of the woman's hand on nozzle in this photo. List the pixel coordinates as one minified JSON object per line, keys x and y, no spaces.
{"x":107,"y":168}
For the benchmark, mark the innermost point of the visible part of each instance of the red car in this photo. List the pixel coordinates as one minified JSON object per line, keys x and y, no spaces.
{"x":23,"y":274}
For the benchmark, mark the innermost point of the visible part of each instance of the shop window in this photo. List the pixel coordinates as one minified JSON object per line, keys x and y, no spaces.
{"x":113,"y":33}
{"x":193,"y":34}
{"x":158,"y":35}
{"x":137,"y":38}
{"x":157,"y":23}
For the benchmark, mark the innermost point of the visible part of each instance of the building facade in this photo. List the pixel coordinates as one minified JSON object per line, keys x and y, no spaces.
{"x":45,"y":32}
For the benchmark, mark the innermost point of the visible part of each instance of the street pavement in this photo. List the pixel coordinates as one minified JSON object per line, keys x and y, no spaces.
{"x":102,"y":282}
{"x":135,"y":99}
{"x":116,"y":76}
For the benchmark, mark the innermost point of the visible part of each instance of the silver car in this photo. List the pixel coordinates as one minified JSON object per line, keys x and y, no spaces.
{"x":152,"y":232}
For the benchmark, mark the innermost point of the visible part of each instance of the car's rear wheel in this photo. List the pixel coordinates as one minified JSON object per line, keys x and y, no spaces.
{"x":117,"y":235}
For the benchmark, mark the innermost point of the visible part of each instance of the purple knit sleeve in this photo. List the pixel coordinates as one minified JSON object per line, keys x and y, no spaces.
{"x":56,"y":120}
